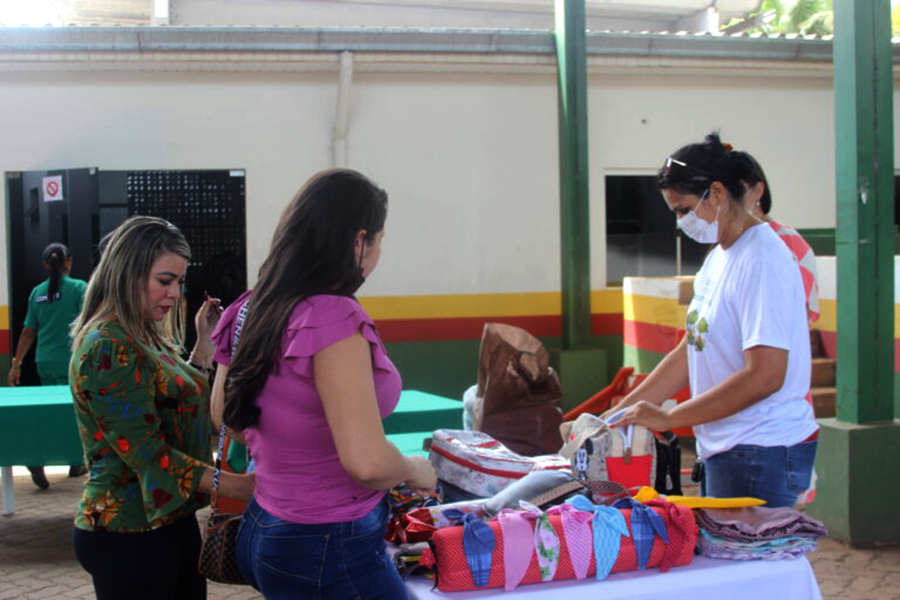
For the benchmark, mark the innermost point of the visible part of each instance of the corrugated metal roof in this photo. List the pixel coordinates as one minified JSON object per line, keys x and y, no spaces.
{"x":480,"y":41}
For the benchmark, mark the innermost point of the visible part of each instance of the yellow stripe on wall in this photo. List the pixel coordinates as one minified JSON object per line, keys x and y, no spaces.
{"x":4,"y":317}
{"x":827,"y":316}
{"x":653,"y":310}
{"x":450,"y":306}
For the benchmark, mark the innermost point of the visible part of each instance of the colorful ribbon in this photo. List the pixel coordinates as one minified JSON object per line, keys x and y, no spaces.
{"x":478,"y":544}
{"x":579,"y":540}
{"x":609,"y":527}
{"x":645,"y":526}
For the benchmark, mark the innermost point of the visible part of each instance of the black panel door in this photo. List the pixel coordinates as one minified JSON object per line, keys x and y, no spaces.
{"x":34,"y":220}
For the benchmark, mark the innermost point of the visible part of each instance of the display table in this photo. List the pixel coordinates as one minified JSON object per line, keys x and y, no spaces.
{"x":39,"y":429}
{"x":704,"y":578}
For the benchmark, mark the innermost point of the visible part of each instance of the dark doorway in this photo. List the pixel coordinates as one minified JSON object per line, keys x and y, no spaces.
{"x":641,"y":237}
{"x":207,"y":205}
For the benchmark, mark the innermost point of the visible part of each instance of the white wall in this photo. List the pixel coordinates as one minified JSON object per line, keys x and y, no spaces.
{"x":469,"y":160}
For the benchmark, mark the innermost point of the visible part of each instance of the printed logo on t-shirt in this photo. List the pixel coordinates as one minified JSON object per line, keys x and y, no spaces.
{"x":695,"y":329}
{"x":45,"y":298}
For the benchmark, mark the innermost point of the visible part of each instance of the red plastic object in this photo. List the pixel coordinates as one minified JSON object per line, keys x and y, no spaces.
{"x":602,"y":400}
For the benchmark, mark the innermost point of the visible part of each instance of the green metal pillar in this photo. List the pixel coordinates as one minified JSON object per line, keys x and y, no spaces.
{"x":582,"y":369}
{"x":573,"y":174}
{"x":855,"y":461}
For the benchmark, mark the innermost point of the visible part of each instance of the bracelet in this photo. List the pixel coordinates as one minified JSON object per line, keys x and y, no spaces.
{"x":16,"y":362}
{"x":201,"y":368}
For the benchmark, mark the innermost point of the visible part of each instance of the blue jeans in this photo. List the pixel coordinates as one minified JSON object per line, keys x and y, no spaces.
{"x":332,"y":561}
{"x":776,"y":474}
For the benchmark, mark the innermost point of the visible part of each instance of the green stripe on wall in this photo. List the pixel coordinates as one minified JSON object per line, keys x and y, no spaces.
{"x":643,"y":361}
{"x":4,"y":369}
{"x":448,"y":368}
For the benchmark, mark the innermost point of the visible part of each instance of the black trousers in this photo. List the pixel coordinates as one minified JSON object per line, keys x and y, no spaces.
{"x":153,"y":565}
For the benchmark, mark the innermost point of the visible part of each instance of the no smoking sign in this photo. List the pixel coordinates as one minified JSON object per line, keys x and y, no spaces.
{"x":52,"y":186}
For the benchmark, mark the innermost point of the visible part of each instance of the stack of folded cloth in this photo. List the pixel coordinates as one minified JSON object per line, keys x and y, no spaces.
{"x":756,"y":533}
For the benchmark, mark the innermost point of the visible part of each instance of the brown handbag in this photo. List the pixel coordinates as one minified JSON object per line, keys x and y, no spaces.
{"x":518,"y":393}
{"x":218,"y":554}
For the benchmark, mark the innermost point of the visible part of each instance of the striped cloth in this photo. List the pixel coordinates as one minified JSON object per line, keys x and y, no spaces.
{"x":806,"y":261}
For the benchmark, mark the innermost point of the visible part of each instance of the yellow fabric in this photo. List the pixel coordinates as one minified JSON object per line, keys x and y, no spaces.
{"x":648,"y":493}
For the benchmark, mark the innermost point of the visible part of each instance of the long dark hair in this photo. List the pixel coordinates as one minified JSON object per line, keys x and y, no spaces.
{"x":55,"y":257}
{"x":312,"y":253}
{"x":757,"y":175}
{"x":694,"y":167}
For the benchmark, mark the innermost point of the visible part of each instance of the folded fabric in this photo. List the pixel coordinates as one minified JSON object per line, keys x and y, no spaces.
{"x":759,"y":523}
{"x":531,"y":486}
{"x":645,"y":526}
{"x":648,"y":493}
{"x":785,"y":548}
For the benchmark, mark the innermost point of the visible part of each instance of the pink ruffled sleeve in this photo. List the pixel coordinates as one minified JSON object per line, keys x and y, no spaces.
{"x":321,"y":321}
{"x":222,"y":335}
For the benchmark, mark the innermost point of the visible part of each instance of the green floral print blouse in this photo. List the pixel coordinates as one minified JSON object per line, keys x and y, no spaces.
{"x":143,"y":417}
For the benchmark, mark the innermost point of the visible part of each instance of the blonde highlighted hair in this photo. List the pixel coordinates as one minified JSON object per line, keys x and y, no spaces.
{"x":118,"y":286}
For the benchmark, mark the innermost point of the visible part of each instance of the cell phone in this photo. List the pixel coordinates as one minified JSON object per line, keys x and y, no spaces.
{"x":215,"y":309}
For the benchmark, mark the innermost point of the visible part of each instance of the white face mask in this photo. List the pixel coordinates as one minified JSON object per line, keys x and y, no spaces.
{"x":698,"y":229}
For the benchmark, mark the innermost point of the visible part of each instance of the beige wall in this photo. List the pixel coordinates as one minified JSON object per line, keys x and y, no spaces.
{"x":470,"y":160}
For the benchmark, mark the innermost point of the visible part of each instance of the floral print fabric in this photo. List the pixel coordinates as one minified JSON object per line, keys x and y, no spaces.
{"x":143,"y":417}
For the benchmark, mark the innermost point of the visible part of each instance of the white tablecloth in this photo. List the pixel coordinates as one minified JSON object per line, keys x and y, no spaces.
{"x":704,"y":579}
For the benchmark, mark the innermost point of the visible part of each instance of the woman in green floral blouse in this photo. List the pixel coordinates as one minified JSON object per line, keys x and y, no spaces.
{"x":143,"y":416}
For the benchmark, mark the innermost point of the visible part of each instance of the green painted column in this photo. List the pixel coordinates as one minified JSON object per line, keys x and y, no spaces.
{"x":864,"y":138}
{"x":573,"y":174}
{"x":582,"y":368}
{"x":855,"y":460}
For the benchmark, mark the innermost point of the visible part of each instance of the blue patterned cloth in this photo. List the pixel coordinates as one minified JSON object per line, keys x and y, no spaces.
{"x":645,"y":526}
{"x":609,"y":527}
{"x":478,"y":544}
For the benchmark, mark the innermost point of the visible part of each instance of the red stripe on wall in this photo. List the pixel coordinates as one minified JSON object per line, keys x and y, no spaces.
{"x":648,"y":336}
{"x":829,"y":342}
{"x":606,"y":324}
{"x":4,"y":341}
{"x":471,"y":328}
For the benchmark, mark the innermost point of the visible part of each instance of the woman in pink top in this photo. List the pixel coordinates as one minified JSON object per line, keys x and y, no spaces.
{"x":304,"y":381}
{"x":758,"y":202}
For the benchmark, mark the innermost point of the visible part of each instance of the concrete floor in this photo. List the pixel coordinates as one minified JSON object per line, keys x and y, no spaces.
{"x":37,"y":561}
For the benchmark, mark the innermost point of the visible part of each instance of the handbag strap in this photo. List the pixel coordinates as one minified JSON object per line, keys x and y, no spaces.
{"x":238,"y":326}
{"x":605,"y":491}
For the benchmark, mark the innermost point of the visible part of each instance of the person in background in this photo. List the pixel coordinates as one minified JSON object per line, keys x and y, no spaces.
{"x":758,"y":202}
{"x":746,"y":354}
{"x":143,"y":418}
{"x":52,"y":306}
{"x":307,"y":388}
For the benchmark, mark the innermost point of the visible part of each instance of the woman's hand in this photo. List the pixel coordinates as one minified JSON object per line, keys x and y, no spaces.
{"x":647,"y":414}
{"x":207,"y":318}
{"x":13,"y":377}
{"x":205,"y":321}
{"x":239,"y":487}
{"x":424,"y":478}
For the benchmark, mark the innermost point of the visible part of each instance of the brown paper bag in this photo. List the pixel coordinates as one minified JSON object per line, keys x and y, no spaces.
{"x":518,"y":393}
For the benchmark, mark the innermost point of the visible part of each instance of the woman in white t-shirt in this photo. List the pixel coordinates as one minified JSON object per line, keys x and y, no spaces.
{"x":746,"y":352}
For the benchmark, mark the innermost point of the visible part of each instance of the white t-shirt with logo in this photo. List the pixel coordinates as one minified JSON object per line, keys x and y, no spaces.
{"x":750,"y":295}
